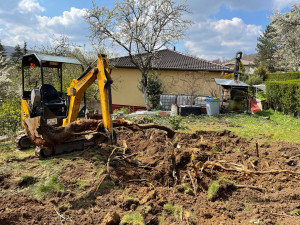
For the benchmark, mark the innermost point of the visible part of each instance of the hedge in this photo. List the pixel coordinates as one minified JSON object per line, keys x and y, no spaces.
{"x":284,"y":96}
{"x":282,"y":76}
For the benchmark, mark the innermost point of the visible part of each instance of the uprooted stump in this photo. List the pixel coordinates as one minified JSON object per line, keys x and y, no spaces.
{"x":46,"y":135}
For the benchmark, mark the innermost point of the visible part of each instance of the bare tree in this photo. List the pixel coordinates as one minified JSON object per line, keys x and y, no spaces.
{"x":141,"y":28}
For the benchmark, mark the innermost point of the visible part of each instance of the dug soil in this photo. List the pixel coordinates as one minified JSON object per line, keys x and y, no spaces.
{"x":200,"y":178}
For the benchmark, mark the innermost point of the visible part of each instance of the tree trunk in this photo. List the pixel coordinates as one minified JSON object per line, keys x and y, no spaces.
{"x":145,"y":88}
{"x":146,"y":99}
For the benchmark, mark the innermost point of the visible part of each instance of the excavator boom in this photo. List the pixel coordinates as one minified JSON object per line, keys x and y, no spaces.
{"x":99,"y":71}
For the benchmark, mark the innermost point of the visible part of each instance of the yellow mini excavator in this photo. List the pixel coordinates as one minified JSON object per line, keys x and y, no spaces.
{"x":41,"y":99}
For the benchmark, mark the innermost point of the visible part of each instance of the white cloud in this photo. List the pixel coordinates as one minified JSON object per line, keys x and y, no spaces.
{"x":22,"y":21}
{"x":68,"y":18}
{"x":70,"y":23}
{"x":212,"y":39}
{"x":29,"y":6}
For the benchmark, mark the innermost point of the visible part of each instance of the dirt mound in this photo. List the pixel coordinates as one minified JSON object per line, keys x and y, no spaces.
{"x":170,"y":181}
{"x":25,"y":210}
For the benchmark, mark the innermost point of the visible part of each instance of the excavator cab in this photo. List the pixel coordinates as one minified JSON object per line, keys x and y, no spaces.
{"x":42,"y":87}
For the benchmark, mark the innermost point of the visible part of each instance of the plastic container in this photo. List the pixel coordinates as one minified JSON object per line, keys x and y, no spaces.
{"x":185,"y":99}
{"x":212,"y":106}
{"x":167,"y":100}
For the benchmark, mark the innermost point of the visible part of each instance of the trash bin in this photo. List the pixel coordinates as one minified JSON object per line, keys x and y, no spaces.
{"x":212,"y":106}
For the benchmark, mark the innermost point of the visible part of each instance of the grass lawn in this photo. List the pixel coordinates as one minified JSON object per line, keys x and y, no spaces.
{"x":268,"y":124}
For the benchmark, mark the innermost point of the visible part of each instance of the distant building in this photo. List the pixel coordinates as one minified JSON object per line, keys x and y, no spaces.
{"x":249,"y":65}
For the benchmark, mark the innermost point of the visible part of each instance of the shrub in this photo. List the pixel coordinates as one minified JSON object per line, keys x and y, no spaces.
{"x":254,"y":79}
{"x":10,"y":116}
{"x":283,"y":76}
{"x":175,"y":122}
{"x":284,"y":96}
{"x":154,"y":89}
{"x":261,"y":72}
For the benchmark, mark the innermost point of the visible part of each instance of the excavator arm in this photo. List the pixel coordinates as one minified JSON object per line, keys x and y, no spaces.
{"x":99,"y":71}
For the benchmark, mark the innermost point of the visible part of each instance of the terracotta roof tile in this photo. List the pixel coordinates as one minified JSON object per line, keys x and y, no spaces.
{"x":173,"y":60}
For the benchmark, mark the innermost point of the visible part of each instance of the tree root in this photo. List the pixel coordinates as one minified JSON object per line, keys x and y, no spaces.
{"x":45,"y":135}
{"x":239,"y":168}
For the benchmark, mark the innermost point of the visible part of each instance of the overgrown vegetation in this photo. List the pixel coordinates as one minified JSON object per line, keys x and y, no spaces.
{"x":284,"y":96}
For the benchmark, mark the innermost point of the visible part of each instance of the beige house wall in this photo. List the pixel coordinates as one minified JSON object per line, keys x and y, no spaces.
{"x":125,"y":91}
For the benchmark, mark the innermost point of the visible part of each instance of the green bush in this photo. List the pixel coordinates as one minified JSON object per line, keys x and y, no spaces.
{"x":154,"y":89}
{"x":284,"y":96}
{"x":283,"y":76}
{"x":175,"y":122}
{"x":10,"y":116}
{"x":261,"y":71}
{"x":253,"y":80}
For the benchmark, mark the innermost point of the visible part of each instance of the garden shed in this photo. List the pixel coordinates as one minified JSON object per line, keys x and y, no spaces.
{"x":233,"y":95}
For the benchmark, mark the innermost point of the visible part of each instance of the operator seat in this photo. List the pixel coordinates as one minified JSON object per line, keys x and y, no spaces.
{"x":51,"y":97}
{"x":52,"y":101}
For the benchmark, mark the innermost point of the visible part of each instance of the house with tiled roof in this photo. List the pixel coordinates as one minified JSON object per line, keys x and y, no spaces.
{"x":179,"y":73}
{"x":249,"y":65}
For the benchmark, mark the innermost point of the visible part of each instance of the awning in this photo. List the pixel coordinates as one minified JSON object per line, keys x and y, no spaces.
{"x":230,"y":82}
{"x":261,"y":87}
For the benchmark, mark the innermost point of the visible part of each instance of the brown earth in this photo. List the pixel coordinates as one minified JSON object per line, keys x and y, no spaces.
{"x":149,"y":173}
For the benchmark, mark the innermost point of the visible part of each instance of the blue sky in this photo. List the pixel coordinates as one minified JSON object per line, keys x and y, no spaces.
{"x":221,"y":27}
